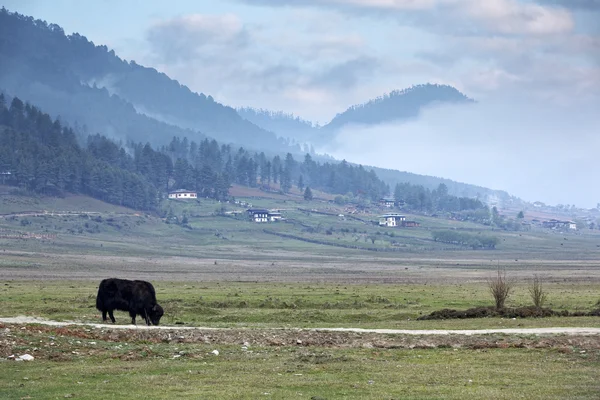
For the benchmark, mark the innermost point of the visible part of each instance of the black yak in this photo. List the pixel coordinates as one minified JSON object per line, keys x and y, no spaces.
{"x":136,"y":297}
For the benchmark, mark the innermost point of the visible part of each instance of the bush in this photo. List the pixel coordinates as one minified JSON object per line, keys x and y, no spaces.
{"x":500,"y":288}
{"x":536,"y":290}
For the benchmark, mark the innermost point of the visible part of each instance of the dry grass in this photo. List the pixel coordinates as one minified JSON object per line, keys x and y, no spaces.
{"x":500,"y":288}
{"x":536,"y":290}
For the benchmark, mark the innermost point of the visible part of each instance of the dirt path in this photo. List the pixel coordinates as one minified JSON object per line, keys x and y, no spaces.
{"x":468,"y":332}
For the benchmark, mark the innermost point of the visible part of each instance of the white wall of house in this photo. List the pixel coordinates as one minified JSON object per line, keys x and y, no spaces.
{"x":183,"y":195}
{"x":260,"y":217}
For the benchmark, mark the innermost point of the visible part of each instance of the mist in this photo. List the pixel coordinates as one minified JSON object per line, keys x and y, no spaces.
{"x":534,"y":151}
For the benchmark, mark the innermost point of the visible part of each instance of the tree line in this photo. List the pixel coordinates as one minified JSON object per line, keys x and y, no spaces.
{"x":419,"y":198}
{"x":465,"y":239}
{"x":254,"y":169}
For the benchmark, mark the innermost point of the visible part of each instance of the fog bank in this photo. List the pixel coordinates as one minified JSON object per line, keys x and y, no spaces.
{"x":533,"y":151}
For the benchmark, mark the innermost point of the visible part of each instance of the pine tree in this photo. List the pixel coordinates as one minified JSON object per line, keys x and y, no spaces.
{"x":308,"y":194}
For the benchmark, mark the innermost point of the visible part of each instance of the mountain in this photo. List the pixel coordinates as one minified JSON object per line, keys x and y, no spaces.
{"x":95,"y":91}
{"x":70,"y":76}
{"x":398,"y":105}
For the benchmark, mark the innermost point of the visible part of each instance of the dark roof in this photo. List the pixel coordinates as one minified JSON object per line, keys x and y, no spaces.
{"x":392,"y":215}
{"x":257,"y":211}
{"x":182,"y":191}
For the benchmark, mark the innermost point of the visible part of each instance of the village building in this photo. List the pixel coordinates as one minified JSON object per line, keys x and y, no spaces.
{"x":183,"y":194}
{"x":558,"y":224}
{"x":396,"y":220}
{"x":391,"y":220}
{"x":5,"y":175}
{"x":258,"y":214}
{"x":264,"y":215}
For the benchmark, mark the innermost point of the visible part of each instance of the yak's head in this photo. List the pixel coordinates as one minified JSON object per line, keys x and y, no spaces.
{"x":155,"y":314}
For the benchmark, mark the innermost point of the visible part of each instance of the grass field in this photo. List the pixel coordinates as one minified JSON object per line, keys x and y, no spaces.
{"x":100,"y":364}
{"x":269,"y":305}
{"x":224,"y":271}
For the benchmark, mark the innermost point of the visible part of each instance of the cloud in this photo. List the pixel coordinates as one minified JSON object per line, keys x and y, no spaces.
{"x":265,"y":65}
{"x":533,"y":150}
{"x":347,"y":74}
{"x":317,"y":57}
{"x":559,"y":68}
{"x":197,"y":36}
{"x":507,"y":17}
{"x":589,"y":5}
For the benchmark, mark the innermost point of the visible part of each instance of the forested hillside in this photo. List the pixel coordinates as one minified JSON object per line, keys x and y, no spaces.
{"x":459,"y":189}
{"x":41,"y":155}
{"x":71,"y":77}
{"x":417,"y":197}
{"x":397,"y":105}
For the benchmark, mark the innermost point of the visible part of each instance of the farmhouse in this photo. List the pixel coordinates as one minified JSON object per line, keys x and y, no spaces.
{"x":263,"y":215}
{"x":391,"y":220}
{"x":557,"y":224}
{"x":183,"y":194}
{"x":258,"y":214}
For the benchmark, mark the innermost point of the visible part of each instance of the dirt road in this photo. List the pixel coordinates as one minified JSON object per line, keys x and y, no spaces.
{"x":467,"y":332}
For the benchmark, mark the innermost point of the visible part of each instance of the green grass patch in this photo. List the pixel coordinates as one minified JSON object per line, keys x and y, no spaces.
{"x":300,"y":305}
{"x":72,"y":367}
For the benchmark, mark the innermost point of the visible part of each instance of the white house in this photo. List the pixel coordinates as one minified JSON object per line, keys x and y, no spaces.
{"x":183,"y":194}
{"x":258,"y":214}
{"x":557,"y":224}
{"x":391,"y":220}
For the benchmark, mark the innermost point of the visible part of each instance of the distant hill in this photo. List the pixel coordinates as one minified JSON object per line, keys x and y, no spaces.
{"x":283,"y":124}
{"x":398,"y":105}
{"x":71,"y":77}
{"x":460,"y":189}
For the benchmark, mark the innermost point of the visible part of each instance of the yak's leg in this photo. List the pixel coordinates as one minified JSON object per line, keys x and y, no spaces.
{"x":147,"y":318}
{"x":132,"y":315}
{"x":112,"y":317}
{"x":103,"y":316}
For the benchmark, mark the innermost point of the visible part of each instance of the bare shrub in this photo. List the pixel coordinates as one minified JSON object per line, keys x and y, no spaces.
{"x":500,"y":288}
{"x":537,"y":293}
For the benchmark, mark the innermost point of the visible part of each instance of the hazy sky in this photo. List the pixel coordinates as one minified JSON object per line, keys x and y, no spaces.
{"x":533,"y":64}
